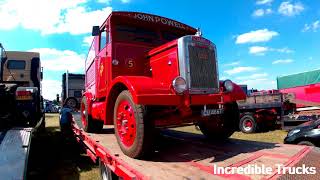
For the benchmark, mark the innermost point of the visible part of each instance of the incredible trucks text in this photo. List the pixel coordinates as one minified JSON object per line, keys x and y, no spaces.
{"x":144,"y":72}
{"x":20,"y":93}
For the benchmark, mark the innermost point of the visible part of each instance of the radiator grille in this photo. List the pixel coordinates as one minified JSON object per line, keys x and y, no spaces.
{"x":203,"y":70}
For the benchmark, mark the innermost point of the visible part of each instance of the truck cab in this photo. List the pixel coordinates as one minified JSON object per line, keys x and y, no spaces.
{"x":145,"y":71}
{"x":20,"y":88}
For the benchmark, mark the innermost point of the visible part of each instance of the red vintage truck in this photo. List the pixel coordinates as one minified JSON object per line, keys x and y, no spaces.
{"x":144,"y":72}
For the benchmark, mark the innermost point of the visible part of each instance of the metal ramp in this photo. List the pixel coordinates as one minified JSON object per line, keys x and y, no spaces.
{"x":14,"y":150}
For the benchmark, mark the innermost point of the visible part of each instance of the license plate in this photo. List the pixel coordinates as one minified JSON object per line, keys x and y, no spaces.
{"x":209,"y":112}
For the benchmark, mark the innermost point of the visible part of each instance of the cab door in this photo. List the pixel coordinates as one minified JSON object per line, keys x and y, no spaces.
{"x":104,"y":57}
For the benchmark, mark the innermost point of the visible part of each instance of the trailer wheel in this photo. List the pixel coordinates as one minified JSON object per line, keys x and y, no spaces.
{"x":132,"y":130}
{"x":88,"y":124}
{"x":248,"y":123}
{"x":221,"y":128}
{"x":106,"y":173}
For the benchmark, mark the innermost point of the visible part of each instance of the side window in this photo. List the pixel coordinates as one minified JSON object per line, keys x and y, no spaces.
{"x":103,"y":39}
{"x":16,"y":64}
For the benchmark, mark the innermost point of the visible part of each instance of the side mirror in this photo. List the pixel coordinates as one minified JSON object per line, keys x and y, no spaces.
{"x":95,"y":31}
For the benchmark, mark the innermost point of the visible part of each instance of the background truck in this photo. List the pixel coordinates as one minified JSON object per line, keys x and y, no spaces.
{"x":306,"y":89}
{"x":263,"y":110}
{"x":72,"y":88}
{"x":144,"y":72}
{"x":20,"y":89}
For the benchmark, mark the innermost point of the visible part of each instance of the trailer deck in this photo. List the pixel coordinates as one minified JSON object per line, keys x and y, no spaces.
{"x":181,"y":155}
{"x":14,"y":150}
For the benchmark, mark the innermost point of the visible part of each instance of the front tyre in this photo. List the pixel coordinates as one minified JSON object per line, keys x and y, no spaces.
{"x":219,"y":128}
{"x":132,"y":130}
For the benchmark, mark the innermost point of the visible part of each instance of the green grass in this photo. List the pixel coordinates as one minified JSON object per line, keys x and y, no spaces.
{"x":275,"y":136}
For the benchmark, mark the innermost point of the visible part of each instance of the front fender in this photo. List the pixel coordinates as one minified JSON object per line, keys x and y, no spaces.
{"x":143,"y":89}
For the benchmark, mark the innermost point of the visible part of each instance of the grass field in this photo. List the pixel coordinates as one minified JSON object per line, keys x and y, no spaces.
{"x":54,"y":157}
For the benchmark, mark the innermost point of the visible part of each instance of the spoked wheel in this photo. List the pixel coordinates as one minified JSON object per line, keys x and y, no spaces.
{"x":248,"y":123}
{"x":132,"y":130}
{"x":219,"y":128}
{"x":88,"y":124}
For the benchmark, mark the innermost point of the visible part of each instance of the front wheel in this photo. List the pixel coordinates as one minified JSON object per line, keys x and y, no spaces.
{"x":220,"y":128}
{"x":132,"y":130}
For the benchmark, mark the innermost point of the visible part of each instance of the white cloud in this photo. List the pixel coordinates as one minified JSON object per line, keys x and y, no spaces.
{"x":289,"y":9}
{"x":261,"y":12}
{"x":47,"y":16}
{"x":282,"y":61}
{"x":104,"y":1}
{"x":312,"y":27}
{"x":50,"y":88}
{"x":57,"y":60}
{"x":261,"y":2}
{"x":235,"y":63}
{"x":87,"y":41}
{"x":261,"y":50}
{"x":258,"y":50}
{"x":262,"y":35}
{"x":240,"y":69}
{"x":125,"y":1}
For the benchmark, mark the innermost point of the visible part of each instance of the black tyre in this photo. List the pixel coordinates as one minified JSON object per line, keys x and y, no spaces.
{"x":307,"y":143}
{"x":132,"y":130}
{"x":88,"y":124}
{"x":72,"y":102}
{"x":106,"y":173}
{"x":248,"y":124}
{"x":221,"y":128}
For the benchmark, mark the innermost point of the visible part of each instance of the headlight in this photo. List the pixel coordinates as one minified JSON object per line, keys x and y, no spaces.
{"x":292,"y":132}
{"x":179,"y":84}
{"x":228,"y":85}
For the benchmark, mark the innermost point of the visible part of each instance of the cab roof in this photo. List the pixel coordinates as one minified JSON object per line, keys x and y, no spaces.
{"x":152,"y":19}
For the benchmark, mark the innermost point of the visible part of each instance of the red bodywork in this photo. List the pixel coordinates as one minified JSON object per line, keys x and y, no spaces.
{"x":308,"y":95}
{"x":146,"y":68}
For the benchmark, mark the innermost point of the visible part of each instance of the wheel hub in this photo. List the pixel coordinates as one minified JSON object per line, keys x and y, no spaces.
{"x":248,"y":124}
{"x":126,"y":123}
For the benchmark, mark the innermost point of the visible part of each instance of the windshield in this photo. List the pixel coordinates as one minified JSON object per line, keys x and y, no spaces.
{"x":134,"y":34}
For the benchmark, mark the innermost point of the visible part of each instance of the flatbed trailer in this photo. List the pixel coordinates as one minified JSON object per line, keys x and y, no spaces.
{"x":181,"y":155}
{"x":14,"y":151}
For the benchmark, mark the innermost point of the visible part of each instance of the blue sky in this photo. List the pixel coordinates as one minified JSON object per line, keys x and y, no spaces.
{"x":257,"y":40}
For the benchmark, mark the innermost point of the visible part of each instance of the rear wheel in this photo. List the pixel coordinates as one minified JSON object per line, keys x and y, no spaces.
{"x":248,"y":124}
{"x":88,"y":124}
{"x":132,"y":130}
{"x":72,"y":102}
{"x":221,"y":127}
